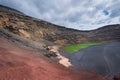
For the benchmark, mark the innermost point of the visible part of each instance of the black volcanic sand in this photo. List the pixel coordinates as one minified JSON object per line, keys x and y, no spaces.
{"x":103,"y":59}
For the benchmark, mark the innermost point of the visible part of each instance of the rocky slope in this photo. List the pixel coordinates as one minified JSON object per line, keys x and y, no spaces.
{"x":19,"y":62}
{"x":22,"y":63}
{"x":23,"y":40}
{"x":36,"y":29}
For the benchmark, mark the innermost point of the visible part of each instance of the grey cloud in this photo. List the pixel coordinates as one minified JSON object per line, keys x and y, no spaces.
{"x":78,"y":14}
{"x":115,"y":10}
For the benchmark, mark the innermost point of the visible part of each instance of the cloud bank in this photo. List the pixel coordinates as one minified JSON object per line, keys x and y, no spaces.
{"x":77,"y":14}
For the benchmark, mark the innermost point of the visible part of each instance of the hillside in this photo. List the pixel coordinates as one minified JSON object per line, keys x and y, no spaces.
{"x":29,"y":48}
{"x":36,"y":29}
{"x":21,"y":50}
{"x":18,"y":62}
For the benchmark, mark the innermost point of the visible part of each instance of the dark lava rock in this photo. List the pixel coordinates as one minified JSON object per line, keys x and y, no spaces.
{"x":103,"y":59}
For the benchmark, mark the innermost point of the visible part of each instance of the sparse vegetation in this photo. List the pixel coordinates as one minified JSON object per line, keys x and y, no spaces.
{"x":77,"y":47}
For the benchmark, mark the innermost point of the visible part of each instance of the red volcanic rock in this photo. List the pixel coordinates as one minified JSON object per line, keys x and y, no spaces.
{"x":117,"y":77}
{"x":22,"y":63}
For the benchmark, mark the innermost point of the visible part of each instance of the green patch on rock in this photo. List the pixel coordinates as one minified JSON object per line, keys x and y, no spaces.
{"x":76,"y":47}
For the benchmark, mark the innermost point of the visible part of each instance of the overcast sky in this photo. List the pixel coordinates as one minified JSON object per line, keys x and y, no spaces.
{"x":78,"y":14}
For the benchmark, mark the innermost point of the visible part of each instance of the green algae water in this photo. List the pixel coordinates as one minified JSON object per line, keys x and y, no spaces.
{"x":76,"y":47}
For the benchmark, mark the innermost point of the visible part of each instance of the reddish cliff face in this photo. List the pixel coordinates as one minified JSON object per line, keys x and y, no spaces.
{"x":18,"y":62}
